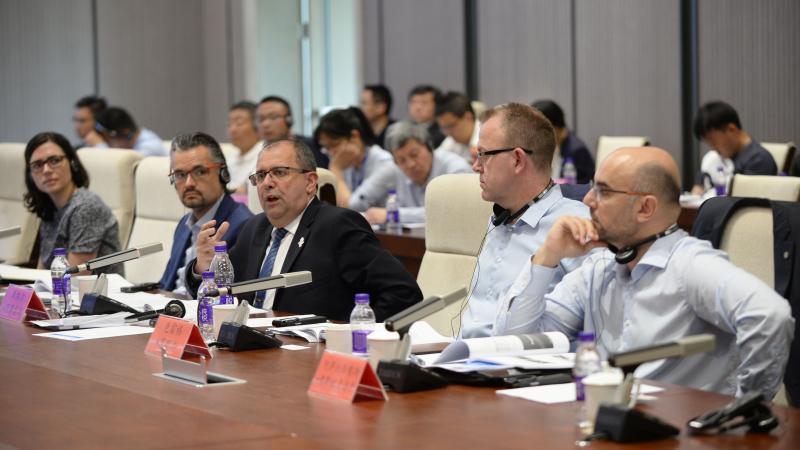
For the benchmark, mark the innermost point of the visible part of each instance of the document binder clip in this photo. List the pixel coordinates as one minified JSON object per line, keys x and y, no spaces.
{"x":238,"y":338}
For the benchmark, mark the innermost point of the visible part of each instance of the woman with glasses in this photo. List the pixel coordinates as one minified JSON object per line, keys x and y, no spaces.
{"x":73,"y":217}
{"x":351,"y":145}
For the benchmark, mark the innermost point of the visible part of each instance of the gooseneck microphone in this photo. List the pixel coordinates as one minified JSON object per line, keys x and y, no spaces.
{"x":262,"y":284}
{"x":627,"y":254}
{"x":403,"y":320}
{"x":10,"y":231}
{"x":118,"y":257}
{"x":174,"y":308}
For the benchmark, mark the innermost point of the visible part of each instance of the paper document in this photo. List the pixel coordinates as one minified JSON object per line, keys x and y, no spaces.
{"x":96,"y":333}
{"x":425,"y":339}
{"x":513,"y":345}
{"x":314,"y":332}
{"x":78,"y":322}
{"x":14,"y":274}
{"x":558,"y":393}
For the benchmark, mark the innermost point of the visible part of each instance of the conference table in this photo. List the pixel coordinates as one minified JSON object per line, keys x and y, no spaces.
{"x":408,"y":246}
{"x":102,"y":394}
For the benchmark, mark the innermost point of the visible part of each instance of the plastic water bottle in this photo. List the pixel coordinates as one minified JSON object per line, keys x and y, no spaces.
{"x":393,"y":213}
{"x":362,"y":323}
{"x":61,"y":302}
{"x":223,"y":271}
{"x":721,"y":181}
{"x":570,"y":172}
{"x":205,"y":310}
{"x":587,"y":362}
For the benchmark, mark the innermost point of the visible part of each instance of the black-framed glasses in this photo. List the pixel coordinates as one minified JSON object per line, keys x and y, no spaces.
{"x":276,"y":173}
{"x":52,"y":162}
{"x":600,"y":191}
{"x":482,"y":155}
{"x":197,"y":172}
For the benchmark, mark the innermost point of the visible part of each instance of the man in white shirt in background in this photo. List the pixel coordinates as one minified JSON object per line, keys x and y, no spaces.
{"x":243,"y":134}
{"x":653,"y":285}
{"x":457,"y":120}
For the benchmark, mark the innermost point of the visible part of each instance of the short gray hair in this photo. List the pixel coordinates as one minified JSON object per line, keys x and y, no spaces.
{"x":303,"y":154}
{"x":187,"y":141}
{"x":401,"y":132}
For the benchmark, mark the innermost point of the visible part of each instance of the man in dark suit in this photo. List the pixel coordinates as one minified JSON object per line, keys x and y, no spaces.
{"x":199,"y":173}
{"x":298,"y":232}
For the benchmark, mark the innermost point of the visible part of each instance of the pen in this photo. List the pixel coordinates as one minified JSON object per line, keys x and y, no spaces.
{"x":541,"y":380}
{"x":292,"y":321}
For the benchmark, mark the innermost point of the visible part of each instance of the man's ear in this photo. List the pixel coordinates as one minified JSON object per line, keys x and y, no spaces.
{"x":648,"y":205}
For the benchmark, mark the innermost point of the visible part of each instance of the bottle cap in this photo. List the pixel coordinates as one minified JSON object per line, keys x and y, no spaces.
{"x":586,"y":336}
{"x":221,"y":247}
{"x":362,"y":298}
{"x":60,"y":252}
{"x":208,"y":274}
{"x":392,"y":191}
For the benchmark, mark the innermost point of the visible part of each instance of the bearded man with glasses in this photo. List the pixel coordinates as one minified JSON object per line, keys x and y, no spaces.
{"x":199,"y":174}
{"x":298,"y":232}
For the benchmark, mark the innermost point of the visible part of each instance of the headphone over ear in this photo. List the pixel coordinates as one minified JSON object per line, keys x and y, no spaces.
{"x":289,"y":120}
{"x":224,"y":175}
{"x":627,"y":254}
{"x":504,"y":216}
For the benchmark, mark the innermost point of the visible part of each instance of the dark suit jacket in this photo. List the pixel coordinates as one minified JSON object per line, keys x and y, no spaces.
{"x":229,"y":210}
{"x":339,"y":248}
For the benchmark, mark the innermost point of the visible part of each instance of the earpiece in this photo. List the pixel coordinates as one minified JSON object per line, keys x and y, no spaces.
{"x":627,"y":254}
{"x":224,"y":175}
{"x":289,"y":120}
{"x":504,"y":216}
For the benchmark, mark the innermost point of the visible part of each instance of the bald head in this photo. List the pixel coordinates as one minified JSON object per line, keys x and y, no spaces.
{"x":649,"y":169}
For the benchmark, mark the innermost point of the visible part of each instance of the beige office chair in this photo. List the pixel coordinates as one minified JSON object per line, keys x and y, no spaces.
{"x":607,"y":144}
{"x":16,"y":249}
{"x":228,"y":150}
{"x":326,"y":190}
{"x":772,"y":187}
{"x":111,"y":177}
{"x":158,"y":211}
{"x":456,"y":221}
{"x":783,"y":153}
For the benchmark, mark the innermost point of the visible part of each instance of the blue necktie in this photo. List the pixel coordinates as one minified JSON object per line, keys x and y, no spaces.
{"x":269,"y":262}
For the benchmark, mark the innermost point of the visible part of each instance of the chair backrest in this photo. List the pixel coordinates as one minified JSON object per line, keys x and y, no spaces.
{"x":782,"y":152}
{"x":607,"y":144}
{"x":16,"y":249}
{"x":772,"y":187}
{"x":158,"y":211}
{"x":228,"y":150}
{"x":748,"y":239}
{"x":456,"y":221}
{"x":326,"y":190}
{"x":111,"y":177}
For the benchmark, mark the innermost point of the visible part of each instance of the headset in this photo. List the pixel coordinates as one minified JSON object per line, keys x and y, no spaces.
{"x":627,"y":254}
{"x":504,"y":216}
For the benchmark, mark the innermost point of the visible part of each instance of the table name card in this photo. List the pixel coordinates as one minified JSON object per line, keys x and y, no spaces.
{"x":22,"y":303}
{"x":347,"y":378}
{"x":177,"y":337}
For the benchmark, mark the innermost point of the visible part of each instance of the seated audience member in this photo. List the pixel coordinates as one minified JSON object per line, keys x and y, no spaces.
{"x":514,"y":159}
{"x":717,"y":123}
{"x":298,"y":232}
{"x":200,"y":176}
{"x":422,"y":110}
{"x":355,"y":157}
{"x":73,"y":217}
{"x":275,"y":120}
{"x":119,"y":130}
{"x":84,"y":119}
{"x":416,"y":164}
{"x":243,"y":134}
{"x":376,"y":105}
{"x":662,"y":285}
{"x":457,"y":120}
{"x":568,"y":145}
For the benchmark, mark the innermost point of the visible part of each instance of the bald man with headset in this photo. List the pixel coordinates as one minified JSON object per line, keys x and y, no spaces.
{"x":515,"y":151}
{"x":653,"y":284}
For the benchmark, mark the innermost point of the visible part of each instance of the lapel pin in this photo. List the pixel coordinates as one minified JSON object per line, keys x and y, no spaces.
{"x":300,"y":242}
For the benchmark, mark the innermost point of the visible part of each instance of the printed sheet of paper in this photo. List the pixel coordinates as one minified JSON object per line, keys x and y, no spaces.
{"x":558,"y":393}
{"x":96,"y":333}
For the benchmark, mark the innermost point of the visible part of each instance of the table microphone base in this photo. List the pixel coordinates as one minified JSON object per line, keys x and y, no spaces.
{"x":92,"y":304}
{"x":404,"y":376}
{"x":237,"y":338}
{"x":620,"y":423}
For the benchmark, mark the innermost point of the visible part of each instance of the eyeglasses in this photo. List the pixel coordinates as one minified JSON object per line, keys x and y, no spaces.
{"x":270,"y":118}
{"x":600,"y":191}
{"x":197,"y":172}
{"x":52,"y":162}
{"x":482,"y":155}
{"x":276,"y":173}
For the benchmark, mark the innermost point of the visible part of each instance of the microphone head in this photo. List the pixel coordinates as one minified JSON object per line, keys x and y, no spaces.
{"x":149,"y":249}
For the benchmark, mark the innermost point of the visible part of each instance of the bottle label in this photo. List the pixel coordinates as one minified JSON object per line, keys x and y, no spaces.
{"x":393,"y":216}
{"x":57,"y":286}
{"x":580,"y":392}
{"x":360,"y":341}
{"x":225,"y":299}
{"x":205,"y":313}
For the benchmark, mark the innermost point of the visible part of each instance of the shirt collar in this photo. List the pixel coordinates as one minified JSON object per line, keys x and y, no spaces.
{"x":657,"y":256}
{"x":537,"y":210}
{"x":193,"y":224}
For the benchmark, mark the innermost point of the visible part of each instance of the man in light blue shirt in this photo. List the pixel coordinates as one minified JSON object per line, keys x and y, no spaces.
{"x":515,"y":151}
{"x":119,"y":130}
{"x":660,"y":286}
{"x":416,"y":164}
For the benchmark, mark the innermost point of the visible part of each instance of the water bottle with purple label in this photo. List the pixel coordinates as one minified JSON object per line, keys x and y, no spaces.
{"x":60,"y":302}
{"x":205,"y":309}
{"x":223,"y":271}
{"x":362,"y":323}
